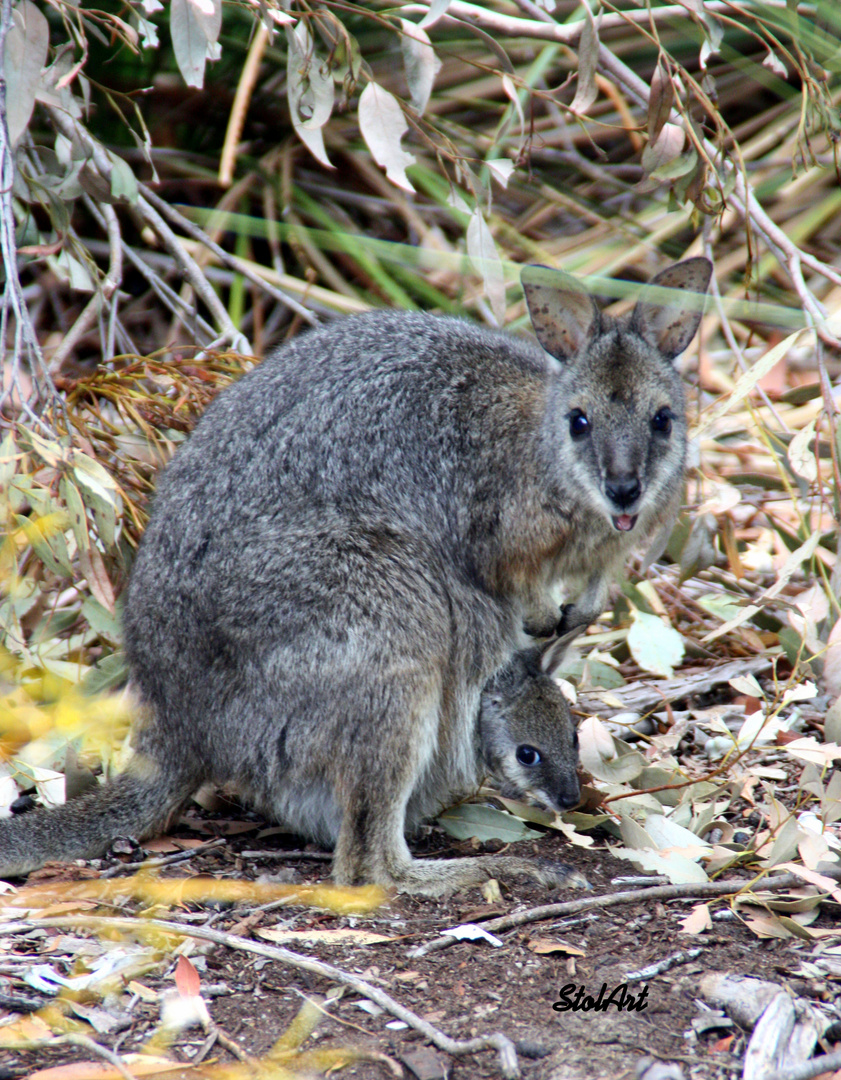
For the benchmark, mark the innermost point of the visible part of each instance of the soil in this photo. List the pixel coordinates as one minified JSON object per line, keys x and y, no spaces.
{"x":470,"y":988}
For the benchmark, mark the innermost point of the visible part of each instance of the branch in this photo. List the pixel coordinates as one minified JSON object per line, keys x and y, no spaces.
{"x":631,"y":896}
{"x":165,"y":293}
{"x":745,"y":201}
{"x":241,"y":266}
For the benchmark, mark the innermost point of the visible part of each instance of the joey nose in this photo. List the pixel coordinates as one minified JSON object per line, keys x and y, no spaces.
{"x":623,"y":492}
{"x":568,"y":796}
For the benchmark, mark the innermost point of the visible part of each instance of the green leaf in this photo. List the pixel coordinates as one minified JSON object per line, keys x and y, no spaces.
{"x":25,"y":55}
{"x":76,"y":510}
{"x":102,"y":621}
{"x":123,"y":180}
{"x":655,"y":646}
{"x":383,"y":125}
{"x":721,"y":605}
{"x":194,"y":29}
{"x":603,"y":675}
{"x":470,"y":820}
{"x":109,"y":673}
{"x":51,"y":550}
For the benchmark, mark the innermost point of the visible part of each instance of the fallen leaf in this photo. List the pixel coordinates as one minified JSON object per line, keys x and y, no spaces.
{"x":137,"y":1064}
{"x":546,"y":946}
{"x":697,"y":921}
{"x":187,"y":979}
{"x":326,"y":937}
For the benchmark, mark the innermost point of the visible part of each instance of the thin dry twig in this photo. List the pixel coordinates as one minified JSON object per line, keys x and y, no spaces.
{"x":245,"y":88}
{"x":572,"y":907}
{"x":25,"y":338}
{"x":102,"y":295}
{"x":93,"y":1047}
{"x":241,"y":266}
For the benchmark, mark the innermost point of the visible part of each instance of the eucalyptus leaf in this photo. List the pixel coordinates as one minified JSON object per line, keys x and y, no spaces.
{"x":25,"y":56}
{"x":655,"y":646}
{"x":107,"y":674}
{"x":383,"y":125}
{"x":470,"y":820}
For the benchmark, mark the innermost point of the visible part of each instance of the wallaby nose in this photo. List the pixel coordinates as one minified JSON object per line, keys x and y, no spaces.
{"x":623,"y":492}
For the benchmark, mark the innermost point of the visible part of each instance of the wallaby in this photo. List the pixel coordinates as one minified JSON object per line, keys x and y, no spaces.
{"x":347,"y":551}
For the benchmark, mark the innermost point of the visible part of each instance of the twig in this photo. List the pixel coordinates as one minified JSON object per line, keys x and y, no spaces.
{"x":102,"y":295}
{"x":164,"y":860}
{"x":309,"y":856}
{"x":456,"y":1047}
{"x":572,"y":907}
{"x":245,"y":88}
{"x":745,"y":201}
{"x":660,"y":966}
{"x":167,"y":295}
{"x":25,"y":339}
{"x":241,"y":266}
{"x":193,"y":274}
{"x":92,"y":1047}
{"x":805,"y":1071}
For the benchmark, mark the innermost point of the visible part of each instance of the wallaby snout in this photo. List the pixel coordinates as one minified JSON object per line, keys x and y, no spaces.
{"x":624,"y":491}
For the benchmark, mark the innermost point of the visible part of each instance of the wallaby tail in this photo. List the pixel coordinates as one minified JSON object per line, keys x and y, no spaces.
{"x":136,"y":803}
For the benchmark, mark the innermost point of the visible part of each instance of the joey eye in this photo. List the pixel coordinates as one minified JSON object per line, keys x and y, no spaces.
{"x":578,"y":424}
{"x":662,"y":421}
{"x":528,"y":756}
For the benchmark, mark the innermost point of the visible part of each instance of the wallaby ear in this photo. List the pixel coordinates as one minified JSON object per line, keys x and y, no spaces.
{"x":669,"y":322}
{"x":553,"y":652}
{"x":563,"y":313}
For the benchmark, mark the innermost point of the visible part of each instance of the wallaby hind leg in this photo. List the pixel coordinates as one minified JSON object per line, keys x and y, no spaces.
{"x":373,"y":848}
{"x":136,"y":803}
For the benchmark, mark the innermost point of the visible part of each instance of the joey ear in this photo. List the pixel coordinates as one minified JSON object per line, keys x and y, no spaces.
{"x":553,"y":652}
{"x":669,"y":323}
{"x":564,"y":315}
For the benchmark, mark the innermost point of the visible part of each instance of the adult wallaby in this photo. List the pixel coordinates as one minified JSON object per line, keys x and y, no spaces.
{"x":346,"y":552}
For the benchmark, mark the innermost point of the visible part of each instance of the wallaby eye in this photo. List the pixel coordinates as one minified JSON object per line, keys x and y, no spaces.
{"x":528,"y":756}
{"x":662,"y":421}
{"x":578,"y":424}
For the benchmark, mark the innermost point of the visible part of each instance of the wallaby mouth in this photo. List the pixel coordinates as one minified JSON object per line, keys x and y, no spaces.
{"x":624,"y":522}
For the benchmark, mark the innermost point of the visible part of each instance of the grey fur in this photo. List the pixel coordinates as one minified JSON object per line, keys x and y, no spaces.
{"x":342,"y":558}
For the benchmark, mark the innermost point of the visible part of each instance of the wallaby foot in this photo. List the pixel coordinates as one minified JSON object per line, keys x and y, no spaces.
{"x":442,"y":877}
{"x":374,"y":851}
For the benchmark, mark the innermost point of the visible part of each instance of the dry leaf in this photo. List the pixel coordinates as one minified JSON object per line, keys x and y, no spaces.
{"x":137,"y":1064}
{"x":187,"y":979}
{"x":546,"y":946}
{"x":325,"y":937}
{"x":697,"y":921}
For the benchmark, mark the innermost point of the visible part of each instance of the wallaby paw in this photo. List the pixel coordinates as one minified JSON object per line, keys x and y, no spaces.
{"x":573,"y":618}
{"x":542,"y":624}
{"x":560,"y":876}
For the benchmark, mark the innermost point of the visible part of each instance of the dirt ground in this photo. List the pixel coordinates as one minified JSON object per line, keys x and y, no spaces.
{"x":470,"y":988}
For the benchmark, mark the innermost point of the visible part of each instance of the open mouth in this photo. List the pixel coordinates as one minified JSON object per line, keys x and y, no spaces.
{"x":625,"y":522}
